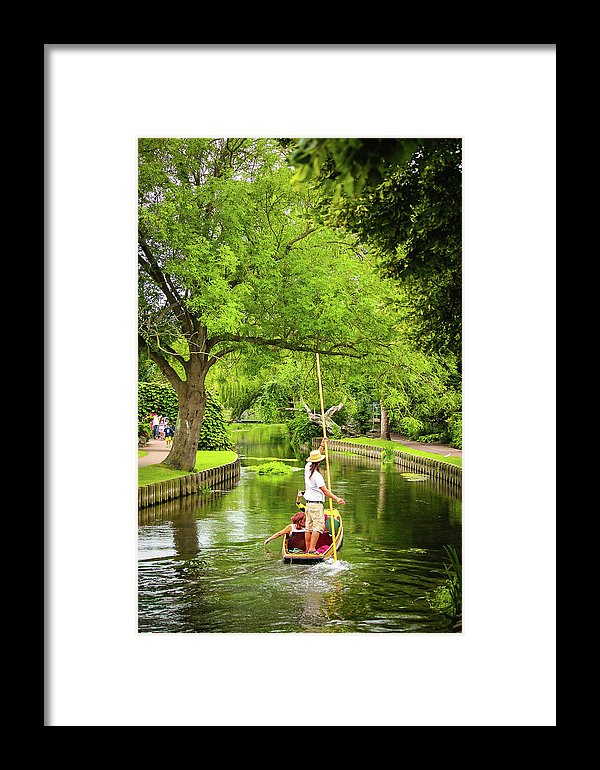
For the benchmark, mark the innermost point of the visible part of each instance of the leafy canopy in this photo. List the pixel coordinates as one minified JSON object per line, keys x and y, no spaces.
{"x":229,"y":253}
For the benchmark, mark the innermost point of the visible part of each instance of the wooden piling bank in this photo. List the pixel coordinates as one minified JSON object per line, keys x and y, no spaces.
{"x":435,"y":469}
{"x":151,"y":494}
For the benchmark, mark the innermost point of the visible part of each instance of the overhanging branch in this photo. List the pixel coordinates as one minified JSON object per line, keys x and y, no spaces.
{"x":341,"y":349}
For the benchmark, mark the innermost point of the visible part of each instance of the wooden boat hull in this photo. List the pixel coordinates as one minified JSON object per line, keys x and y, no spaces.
{"x":290,"y":541}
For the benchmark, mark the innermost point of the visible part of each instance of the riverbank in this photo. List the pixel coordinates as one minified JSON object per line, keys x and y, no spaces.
{"x":150,"y":470}
{"x":437,"y":449}
{"x":448,"y":471}
{"x":439,"y":452}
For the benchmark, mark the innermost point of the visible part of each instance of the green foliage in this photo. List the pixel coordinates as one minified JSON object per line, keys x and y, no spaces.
{"x":144,"y":430}
{"x":163,"y":399}
{"x":274,"y":468}
{"x":236,"y":260}
{"x":236,"y":394}
{"x":420,"y":395}
{"x":302,"y":430}
{"x":441,"y":598}
{"x":411,"y":427}
{"x":455,"y":431}
{"x":159,"y":397}
{"x":404,"y":198}
{"x":359,"y":411}
{"x":272,"y":400}
{"x":232,"y":260}
{"x":447,"y":598}
{"x":214,"y":434}
{"x":345,"y":166}
{"x":414,"y":217}
{"x":221,"y":221}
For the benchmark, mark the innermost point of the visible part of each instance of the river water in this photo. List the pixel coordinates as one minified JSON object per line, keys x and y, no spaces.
{"x":203,"y":566}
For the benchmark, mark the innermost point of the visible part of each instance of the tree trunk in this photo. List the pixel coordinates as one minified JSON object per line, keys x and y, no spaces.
{"x":385,"y":424}
{"x":192,"y":402}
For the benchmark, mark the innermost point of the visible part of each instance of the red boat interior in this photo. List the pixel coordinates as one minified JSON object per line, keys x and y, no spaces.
{"x":297,"y":540}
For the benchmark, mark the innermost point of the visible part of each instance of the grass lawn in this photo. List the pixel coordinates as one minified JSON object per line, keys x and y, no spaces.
{"x":150,"y":474}
{"x":403,"y":448}
{"x":141,"y":453}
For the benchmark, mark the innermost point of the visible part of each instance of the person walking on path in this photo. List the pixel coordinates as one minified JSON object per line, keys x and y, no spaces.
{"x":155,"y":424}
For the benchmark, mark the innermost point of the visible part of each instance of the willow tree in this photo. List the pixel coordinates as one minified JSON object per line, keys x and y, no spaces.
{"x":230,"y":259}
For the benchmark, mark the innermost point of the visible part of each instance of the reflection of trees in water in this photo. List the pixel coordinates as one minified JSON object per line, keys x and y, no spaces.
{"x":173,"y":508}
{"x":181,"y":505}
{"x":263,"y":441}
{"x":440,"y":485}
{"x":381,"y":507}
{"x":185,"y":535}
{"x":182,"y":514}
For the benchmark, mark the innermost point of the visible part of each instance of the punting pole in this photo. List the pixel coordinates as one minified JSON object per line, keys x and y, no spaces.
{"x":326,"y":459}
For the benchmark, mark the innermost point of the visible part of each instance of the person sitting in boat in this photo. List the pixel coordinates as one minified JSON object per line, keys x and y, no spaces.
{"x":297,"y":525}
{"x":315,"y":493}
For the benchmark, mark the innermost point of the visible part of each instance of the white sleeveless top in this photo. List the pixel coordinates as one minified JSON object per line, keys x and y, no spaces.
{"x":312,"y":491}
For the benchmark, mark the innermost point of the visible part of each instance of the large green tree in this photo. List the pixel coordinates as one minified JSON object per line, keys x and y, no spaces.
{"x":230,"y":259}
{"x":403,"y":196}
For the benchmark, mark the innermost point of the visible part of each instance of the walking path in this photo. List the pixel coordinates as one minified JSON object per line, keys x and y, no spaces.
{"x":156,"y":452}
{"x":438,"y":449}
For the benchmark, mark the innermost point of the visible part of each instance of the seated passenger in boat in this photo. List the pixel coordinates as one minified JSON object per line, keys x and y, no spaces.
{"x":297,"y":525}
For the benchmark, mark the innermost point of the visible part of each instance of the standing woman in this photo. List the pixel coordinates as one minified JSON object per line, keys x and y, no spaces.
{"x":315,"y":493}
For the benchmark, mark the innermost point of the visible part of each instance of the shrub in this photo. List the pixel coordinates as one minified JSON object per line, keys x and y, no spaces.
{"x":447,"y":598}
{"x":302,"y":430}
{"x":162,"y":398}
{"x":158,"y":397}
{"x":144,"y":430}
{"x":455,"y":431}
{"x":411,"y":427}
{"x":214,"y":434}
{"x":274,"y":469}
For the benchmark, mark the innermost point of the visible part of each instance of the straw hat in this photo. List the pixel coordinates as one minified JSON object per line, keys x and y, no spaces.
{"x":315,"y":456}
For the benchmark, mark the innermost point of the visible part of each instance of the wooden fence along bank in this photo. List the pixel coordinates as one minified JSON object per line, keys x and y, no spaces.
{"x":437,"y":469}
{"x":187,"y":485}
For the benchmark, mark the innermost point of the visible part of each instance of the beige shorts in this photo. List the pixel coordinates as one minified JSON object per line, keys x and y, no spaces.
{"x":315,"y":517}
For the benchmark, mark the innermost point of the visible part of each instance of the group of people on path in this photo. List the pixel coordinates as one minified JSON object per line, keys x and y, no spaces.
{"x":162,"y":430}
{"x":312,"y":520}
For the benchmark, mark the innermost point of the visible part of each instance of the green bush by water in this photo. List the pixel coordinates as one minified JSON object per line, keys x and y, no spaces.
{"x":274,"y":469}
